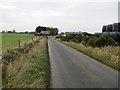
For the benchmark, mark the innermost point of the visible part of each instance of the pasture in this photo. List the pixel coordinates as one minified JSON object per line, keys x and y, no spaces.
{"x":11,"y":40}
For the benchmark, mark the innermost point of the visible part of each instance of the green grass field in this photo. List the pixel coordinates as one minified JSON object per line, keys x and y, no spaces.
{"x":11,"y":40}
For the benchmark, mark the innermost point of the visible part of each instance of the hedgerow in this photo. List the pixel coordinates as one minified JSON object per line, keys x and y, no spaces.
{"x":93,"y":41}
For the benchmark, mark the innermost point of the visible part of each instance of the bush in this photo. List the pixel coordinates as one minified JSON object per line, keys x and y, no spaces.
{"x":85,"y":39}
{"x":68,"y":38}
{"x":62,"y":38}
{"x":59,"y":36}
{"x":101,"y":41}
{"x":78,"y":38}
{"x":91,"y":41}
{"x":104,"y":40}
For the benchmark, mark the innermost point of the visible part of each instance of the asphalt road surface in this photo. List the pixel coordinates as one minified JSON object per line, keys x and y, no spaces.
{"x":72,"y":69}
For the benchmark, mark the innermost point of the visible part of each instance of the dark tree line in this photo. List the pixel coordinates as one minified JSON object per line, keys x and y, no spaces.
{"x":53,"y":31}
{"x":9,"y":31}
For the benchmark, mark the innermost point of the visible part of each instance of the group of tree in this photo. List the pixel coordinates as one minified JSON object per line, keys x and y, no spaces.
{"x":9,"y":31}
{"x":101,"y":41}
{"x":25,"y":32}
{"x":53,"y":31}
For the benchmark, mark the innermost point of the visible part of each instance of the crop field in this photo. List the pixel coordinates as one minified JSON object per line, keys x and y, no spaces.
{"x":11,"y":40}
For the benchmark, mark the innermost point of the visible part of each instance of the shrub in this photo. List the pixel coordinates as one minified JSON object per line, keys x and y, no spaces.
{"x":104,"y":40}
{"x":63,"y":38}
{"x":78,"y":38}
{"x":91,"y":41}
{"x":85,"y":39}
{"x":68,"y":38}
{"x":58,"y":36}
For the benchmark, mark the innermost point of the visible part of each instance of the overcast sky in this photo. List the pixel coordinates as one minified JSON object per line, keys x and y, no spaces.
{"x":66,"y":15}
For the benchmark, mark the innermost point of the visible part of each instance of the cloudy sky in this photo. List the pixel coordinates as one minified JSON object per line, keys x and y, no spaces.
{"x":66,"y":15}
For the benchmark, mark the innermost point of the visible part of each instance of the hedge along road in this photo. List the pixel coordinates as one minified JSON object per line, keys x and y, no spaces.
{"x":72,"y":69}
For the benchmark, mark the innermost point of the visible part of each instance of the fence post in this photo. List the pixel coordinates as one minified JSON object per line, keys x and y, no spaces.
{"x":32,"y":39}
{"x":18,"y":43}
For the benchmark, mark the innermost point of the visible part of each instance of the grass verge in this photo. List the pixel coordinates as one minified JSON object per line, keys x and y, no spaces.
{"x":108,"y":55}
{"x":30,"y":70}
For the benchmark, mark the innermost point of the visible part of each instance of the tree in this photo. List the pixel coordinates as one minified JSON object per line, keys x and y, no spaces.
{"x":68,"y":38}
{"x":85,"y":39}
{"x":62,"y":33}
{"x":26,"y":32}
{"x":104,"y":40}
{"x":14,"y":31}
{"x":53,"y":31}
{"x":10,"y":32}
{"x":78,"y":38}
{"x":3,"y":31}
{"x":38,"y":29}
{"x":91,"y":41}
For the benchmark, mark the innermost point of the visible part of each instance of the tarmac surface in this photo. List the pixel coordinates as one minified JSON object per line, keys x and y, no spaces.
{"x":72,"y":69}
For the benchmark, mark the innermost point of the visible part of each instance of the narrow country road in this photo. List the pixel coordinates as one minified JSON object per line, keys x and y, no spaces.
{"x":72,"y":69}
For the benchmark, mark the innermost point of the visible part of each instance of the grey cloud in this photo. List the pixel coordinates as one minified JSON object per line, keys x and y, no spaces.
{"x":67,"y":16}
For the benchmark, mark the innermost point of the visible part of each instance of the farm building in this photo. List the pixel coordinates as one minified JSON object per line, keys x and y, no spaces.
{"x":43,"y":33}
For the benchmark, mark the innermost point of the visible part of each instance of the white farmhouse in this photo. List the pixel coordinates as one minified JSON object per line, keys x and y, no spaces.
{"x":45,"y":32}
